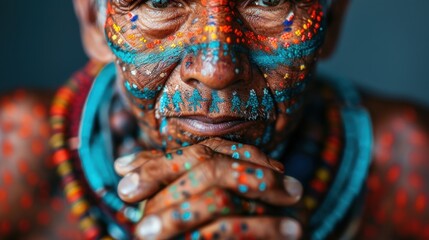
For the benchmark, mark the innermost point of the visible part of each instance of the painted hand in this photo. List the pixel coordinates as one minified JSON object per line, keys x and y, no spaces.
{"x":217,"y":182}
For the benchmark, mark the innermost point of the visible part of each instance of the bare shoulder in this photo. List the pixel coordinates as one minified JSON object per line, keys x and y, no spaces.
{"x":397,"y":204}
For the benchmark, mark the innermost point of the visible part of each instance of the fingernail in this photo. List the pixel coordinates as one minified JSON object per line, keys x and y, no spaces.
{"x":290,"y":229}
{"x":149,"y":228}
{"x":292,"y":186}
{"x":125,"y":160}
{"x":129,"y":184}
{"x":278,"y":165}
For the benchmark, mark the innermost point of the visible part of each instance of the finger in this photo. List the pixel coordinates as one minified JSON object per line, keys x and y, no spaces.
{"x":249,"y":228}
{"x":149,"y":174}
{"x":244,"y":152}
{"x":198,"y":210}
{"x":246,"y":179}
{"x":128,"y":163}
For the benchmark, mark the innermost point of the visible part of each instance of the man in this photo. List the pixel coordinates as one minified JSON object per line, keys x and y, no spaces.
{"x":212,"y":103}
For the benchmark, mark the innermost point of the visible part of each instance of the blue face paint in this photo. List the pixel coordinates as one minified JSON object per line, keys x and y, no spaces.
{"x":195,"y":100}
{"x":215,"y":101}
{"x":289,"y":93}
{"x":253,"y":104}
{"x":145,"y":93}
{"x":164,"y":101}
{"x":283,"y":56}
{"x":235,"y":102}
{"x":267,"y":101}
{"x":267,"y":60}
{"x":177,"y":100}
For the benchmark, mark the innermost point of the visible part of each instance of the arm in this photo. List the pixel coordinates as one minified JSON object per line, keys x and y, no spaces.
{"x":28,"y":200}
{"x":398,"y":185}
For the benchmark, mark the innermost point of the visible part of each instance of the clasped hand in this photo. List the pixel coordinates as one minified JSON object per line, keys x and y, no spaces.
{"x":216,"y":189}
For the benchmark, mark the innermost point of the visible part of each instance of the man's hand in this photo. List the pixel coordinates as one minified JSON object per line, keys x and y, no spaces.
{"x":217,"y":186}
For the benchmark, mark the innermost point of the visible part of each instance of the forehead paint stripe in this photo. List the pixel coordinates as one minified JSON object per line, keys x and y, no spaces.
{"x":281,"y":56}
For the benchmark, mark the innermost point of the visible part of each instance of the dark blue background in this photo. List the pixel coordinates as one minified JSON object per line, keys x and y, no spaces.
{"x":384,"y":46}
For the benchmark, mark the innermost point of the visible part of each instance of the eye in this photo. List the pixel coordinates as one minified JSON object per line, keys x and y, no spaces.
{"x":163,"y":4}
{"x":268,"y":3}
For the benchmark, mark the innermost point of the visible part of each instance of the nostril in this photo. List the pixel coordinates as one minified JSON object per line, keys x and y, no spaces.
{"x":192,"y":82}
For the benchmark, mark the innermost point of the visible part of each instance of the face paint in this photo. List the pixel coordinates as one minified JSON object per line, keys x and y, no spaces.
{"x":270,"y":60}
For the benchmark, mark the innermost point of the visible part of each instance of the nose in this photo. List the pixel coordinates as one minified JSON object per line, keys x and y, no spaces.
{"x":216,"y":62}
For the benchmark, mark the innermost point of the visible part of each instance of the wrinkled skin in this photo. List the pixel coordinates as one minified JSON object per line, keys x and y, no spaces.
{"x":400,"y":129}
{"x":224,"y":51}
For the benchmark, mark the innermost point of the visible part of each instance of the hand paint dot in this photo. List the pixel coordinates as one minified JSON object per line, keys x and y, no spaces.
{"x":188,"y":165}
{"x":259,"y":173}
{"x":235,"y":165}
{"x":185,"y":205}
{"x":169,"y":156}
{"x":234,"y":148}
{"x":236,"y":155}
{"x":262,"y":186}
{"x":186,"y":216}
{"x":247,"y":154}
{"x":243,"y":188}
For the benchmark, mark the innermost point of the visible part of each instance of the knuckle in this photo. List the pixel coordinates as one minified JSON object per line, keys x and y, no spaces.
{"x":202,"y":152}
{"x":151,"y":169}
{"x":223,"y":199}
{"x":209,"y":170}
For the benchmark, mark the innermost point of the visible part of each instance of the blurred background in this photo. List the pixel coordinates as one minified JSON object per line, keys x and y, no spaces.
{"x":384,"y":46}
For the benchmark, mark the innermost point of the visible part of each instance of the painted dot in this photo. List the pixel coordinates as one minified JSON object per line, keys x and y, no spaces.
{"x":262,"y":186}
{"x":259,"y":173}
{"x":243,"y":188}
{"x":195,"y":235}
{"x":169,"y":156}
{"x":188,"y":165}
{"x":179,"y":152}
{"x":235,"y":174}
{"x":236,"y":155}
{"x":176,"y":215}
{"x":185,"y":205}
{"x":247,"y":154}
{"x":186,"y":216}
{"x":250,"y":170}
{"x":234,"y":147}
{"x":235,"y":165}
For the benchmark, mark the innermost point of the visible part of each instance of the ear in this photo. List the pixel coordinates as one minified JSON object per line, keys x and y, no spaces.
{"x":92,"y":33}
{"x":335,"y":17}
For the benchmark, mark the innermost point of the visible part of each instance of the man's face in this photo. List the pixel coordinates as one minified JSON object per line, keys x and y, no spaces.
{"x":203,"y":68}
